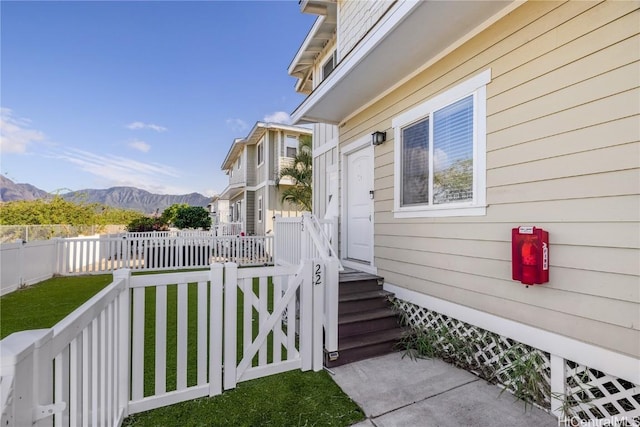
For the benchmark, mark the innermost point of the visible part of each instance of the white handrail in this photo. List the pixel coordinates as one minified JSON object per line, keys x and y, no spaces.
{"x":321,"y":239}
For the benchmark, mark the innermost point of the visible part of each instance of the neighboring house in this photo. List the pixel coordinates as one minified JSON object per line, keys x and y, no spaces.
{"x":219,"y":210}
{"x":497,"y":114}
{"x":253,"y":165}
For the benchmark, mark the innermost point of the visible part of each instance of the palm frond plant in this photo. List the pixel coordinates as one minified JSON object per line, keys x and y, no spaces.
{"x":300,"y":174}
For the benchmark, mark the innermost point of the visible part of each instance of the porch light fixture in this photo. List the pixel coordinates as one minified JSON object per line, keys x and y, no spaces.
{"x":378,"y":137}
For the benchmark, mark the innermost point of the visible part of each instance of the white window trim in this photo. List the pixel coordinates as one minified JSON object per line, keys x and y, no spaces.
{"x":476,"y":86}
{"x":258,"y":146}
{"x":260,"y":210}
{"x":290,"y":143}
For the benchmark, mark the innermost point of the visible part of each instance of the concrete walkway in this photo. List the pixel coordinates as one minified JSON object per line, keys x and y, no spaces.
{"x":396,"y":391}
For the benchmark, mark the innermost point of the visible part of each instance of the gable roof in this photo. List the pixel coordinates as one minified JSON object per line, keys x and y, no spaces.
{"x":254,"y":136}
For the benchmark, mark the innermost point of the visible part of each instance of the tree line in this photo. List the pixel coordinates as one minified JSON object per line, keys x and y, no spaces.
{"x":57,"y":210}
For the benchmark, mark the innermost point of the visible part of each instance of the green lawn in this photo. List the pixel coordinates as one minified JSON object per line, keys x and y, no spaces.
{"x":46,"y":303}
{"x":291,"y":399}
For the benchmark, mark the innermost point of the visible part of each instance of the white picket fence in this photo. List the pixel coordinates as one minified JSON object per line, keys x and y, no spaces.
{"x":23,"y":264}
{"x":96,"y":255}
{"x":229,"y":229}
{"x":294,"y":239}
{"x":99,"y":364}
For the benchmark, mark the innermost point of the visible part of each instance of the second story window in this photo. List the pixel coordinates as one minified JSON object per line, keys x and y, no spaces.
{"x":239,"y":162}
{"x":291,"y":146}
{"x":260,"y":154}
{"x":329,"y":66}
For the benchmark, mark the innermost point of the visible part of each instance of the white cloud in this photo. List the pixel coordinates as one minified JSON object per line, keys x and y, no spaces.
{"x":16,"y":134}
{"x":142,"y":125}
{"x":121,"y":171}
{"x":278,"y":117}
{"x":237,"y":125}
{"x":136,"y":144}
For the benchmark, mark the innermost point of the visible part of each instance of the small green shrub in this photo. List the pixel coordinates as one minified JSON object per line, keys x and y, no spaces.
{"x":147,"y":224}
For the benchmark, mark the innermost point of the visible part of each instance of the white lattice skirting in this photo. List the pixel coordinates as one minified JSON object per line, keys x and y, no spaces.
{"x":590,"y":398}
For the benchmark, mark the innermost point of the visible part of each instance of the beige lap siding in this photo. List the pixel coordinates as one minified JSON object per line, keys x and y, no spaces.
{"x":563,"y":153}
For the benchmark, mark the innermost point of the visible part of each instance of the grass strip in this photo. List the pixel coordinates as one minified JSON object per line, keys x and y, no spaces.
{"x":293,"y":398}
{"x":44,"y":304}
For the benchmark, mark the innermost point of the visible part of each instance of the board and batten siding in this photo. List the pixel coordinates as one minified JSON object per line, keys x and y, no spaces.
{"x":252,"y":176}
{"x":563,"y":153}
{"x":324,"y":136}
{"x":250,"y":218}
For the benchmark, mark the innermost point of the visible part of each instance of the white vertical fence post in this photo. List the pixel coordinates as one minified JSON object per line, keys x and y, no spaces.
{"x":124,"y":322}
{"x":557,"y":385}
{"x":21,"y":263}
{"x":59,"y":245}
{"x":306,"y":315}
{"x":304,"y":238}
{"x":331,"y":304}
{"x":230,"y":324}
{"x":215,"y":329}
{"x":319,"y":279}
{"x":18,"y":356}
{"x":43,"y":380}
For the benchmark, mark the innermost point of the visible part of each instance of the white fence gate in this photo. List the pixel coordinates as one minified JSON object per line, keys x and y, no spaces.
{"x":153,"y":340}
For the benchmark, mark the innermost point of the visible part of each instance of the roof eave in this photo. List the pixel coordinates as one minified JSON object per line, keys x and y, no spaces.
{"x":353,"y":85}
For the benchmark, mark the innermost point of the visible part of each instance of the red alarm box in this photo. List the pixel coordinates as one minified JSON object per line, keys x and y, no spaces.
{"x":530,"y":255}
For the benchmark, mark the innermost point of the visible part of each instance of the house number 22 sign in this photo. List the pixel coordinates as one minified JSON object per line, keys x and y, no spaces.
{"x":317,"y":279}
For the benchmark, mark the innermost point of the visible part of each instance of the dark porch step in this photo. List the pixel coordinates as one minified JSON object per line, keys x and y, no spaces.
{"x":360,"y":347}
{"x":365,"y":322}
{"x":357,"y":286}
{"x":363,"y":301}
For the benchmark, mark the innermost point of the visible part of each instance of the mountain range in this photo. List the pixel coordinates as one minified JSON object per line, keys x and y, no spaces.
{"x":118,"y":197}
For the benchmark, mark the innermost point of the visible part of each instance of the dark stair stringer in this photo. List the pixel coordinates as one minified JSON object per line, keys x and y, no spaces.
{"x":367,"y":324}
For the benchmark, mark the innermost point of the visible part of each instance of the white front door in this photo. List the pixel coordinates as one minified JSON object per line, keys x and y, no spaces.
{"x":359,"y":205}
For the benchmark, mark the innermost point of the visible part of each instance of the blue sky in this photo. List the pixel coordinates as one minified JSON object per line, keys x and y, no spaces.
{"x":145,"y":94}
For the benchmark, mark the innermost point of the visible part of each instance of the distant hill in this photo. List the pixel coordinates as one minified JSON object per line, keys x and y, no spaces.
{"x":135,"y":198}
{"x":119,"y":197}
{"x":9,"y":191}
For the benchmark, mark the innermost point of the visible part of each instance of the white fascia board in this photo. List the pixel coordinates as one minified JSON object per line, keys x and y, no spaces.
{"x":394,"y":17}
{"x":232,"y":153}
{"x":290,"y":128}
{"x":305,"y":44}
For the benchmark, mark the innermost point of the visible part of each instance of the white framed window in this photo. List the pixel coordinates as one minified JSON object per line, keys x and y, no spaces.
{"x":440,"y":154}
{"x":291,"y":146}
{"x":260,"y":152}
{"x":260,"y":209}
{"x":239,"y":211}
{"x":329,"y":65}
{"x":239,"y":162}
